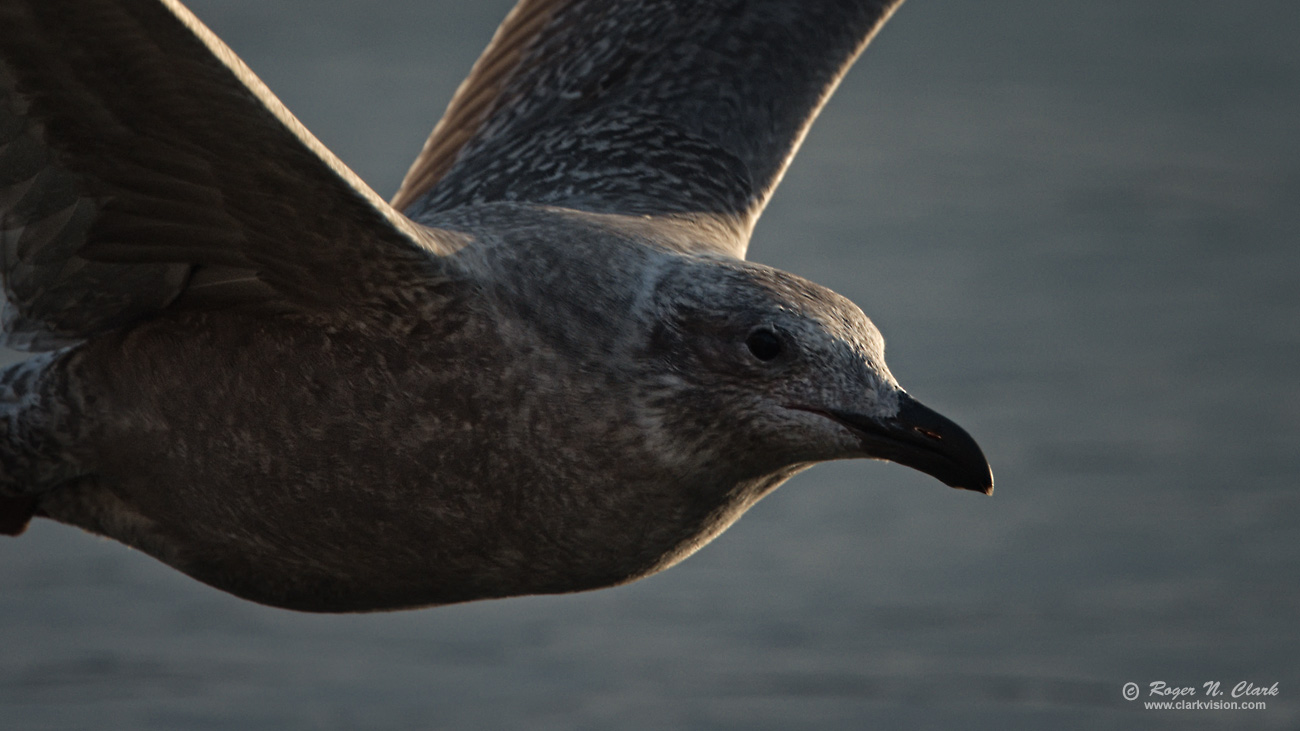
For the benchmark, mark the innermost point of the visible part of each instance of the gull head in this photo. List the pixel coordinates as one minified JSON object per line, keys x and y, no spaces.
{"x":763,"y":371}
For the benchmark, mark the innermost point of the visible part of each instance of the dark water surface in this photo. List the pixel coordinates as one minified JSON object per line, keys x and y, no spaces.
{"x":1077,"y":224}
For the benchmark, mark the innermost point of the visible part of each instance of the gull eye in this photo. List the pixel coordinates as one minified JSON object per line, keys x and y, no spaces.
{"x":764,"y":344}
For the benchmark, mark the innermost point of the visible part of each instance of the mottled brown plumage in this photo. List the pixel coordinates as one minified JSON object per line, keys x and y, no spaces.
{"x":555,"y":375}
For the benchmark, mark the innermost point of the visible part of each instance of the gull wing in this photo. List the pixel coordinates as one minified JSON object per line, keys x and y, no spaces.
{"x":143,"y":166}
{"x":681,"y":109}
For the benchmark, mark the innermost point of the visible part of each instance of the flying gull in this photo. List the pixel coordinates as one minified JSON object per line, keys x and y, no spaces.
{"x":544,"y":367}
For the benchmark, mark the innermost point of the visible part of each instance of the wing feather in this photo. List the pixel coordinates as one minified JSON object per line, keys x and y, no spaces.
{"x":136,"y":150}
{"x":683,"y":109}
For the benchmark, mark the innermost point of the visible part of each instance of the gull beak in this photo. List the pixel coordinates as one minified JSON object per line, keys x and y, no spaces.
{"x":920,"y":438}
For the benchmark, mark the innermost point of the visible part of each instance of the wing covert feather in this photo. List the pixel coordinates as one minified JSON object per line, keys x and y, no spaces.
{"x":677,"y":108}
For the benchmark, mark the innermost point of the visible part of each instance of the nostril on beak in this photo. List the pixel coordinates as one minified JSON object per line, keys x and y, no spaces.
{"x":927,"y":433}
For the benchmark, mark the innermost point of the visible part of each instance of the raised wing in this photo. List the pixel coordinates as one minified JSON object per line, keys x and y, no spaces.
{"x":143,"y":166}
{"x":689,"y":109}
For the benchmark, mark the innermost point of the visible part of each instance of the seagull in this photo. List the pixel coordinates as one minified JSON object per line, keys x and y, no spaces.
{"x":545,"y":366}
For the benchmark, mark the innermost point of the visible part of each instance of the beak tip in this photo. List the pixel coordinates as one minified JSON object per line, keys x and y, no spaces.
{"x":965,"y":467}
{"x":983,"y":486}
{"x":924,"y":440}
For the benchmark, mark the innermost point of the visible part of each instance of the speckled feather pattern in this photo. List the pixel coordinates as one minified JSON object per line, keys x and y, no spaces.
{"x":658,"y":106}
{"x":355,"y":470}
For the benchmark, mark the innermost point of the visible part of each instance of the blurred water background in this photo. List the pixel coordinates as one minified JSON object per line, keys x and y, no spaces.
{"x":1077,"y":224}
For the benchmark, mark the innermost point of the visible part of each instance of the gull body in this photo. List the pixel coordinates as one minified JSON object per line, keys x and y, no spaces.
{"x":546,"y":368}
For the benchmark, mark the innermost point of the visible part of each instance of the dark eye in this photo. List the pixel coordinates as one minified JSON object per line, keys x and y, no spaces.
{"x":764,"y":344}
